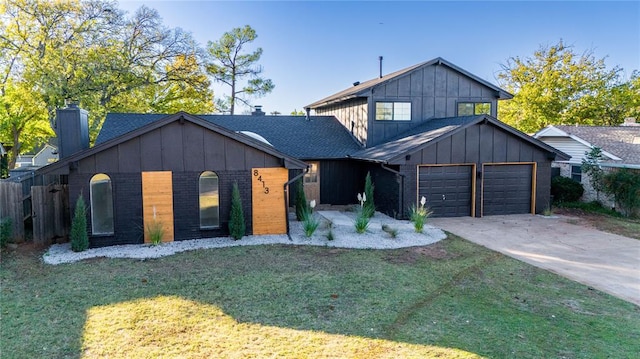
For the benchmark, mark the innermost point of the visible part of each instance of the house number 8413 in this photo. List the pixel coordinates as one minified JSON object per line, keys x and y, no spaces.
{"x":256,"y":173}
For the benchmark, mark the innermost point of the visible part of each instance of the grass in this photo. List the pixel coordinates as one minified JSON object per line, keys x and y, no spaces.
{"x":601,"y":218}
{"x":449,"y":300}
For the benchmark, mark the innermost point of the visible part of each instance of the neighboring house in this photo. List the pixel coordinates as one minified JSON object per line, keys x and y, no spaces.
{"x":46,"y":155}
{"x":429,"y":130}
{"x":620,"y":148}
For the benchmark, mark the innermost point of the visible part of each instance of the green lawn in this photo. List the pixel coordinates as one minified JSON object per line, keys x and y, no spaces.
{"x":450,"y":300}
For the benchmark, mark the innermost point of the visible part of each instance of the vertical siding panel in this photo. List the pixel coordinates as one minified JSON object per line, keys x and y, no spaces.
{"x":428,"y":155}
{"x":391,"y":89}
{"x":404,"y":86}
{"x":452,"y":84}
{"x":87,"y":165}
{"x":193,"y":148}
{"x":486,"y":143}
{"x":440,"y":106}
{"x":235,"y":159}
{"x":472,"y":139}
{"x":513,"y":149}
{"x":254,"y":158}
{"x":464,"y":89}
{"x":499,"y":146}
{"x":443,"y":151}
{"x":440,"y":81}
{"x":214,"y":151}
{"x":526,"y":152}
{"x":172,"y":147}
{"x":458,"y":147}
{"x":129,"y":156}
{"x":107,"y":160}
{"x":417,"y":80}
{"x":150,"y":149}
{"x":429,"y":82}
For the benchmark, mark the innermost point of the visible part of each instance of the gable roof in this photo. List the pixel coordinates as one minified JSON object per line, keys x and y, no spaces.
{"x":318,"y":137}
{"x":361,"y":89}
{"x":432,"y":131}
{"x":289,"y":161}
{"x":620,"y":143}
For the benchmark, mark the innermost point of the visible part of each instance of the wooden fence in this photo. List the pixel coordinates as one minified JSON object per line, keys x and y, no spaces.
{"x":12,"y":207}
{"x":51,"y":219}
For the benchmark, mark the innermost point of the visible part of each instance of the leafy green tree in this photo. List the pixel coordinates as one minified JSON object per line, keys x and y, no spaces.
{"x":559,"y":86}
{"x":91,"y":52}
{"x":230,"y":65}
{"x":295,"y":112}
{"x":237,"y":226}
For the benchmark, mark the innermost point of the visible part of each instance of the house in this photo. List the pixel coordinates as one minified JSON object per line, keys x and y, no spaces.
{"x":429,"y":130}
{"x":620,"y":148}
{"x":177,"y":170}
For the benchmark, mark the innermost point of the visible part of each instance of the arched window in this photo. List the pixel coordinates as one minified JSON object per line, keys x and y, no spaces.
{"x":101,"y":205}
{"x":209,"y":200}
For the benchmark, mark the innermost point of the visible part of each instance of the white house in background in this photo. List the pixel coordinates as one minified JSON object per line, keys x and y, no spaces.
{"x":620,"y":148}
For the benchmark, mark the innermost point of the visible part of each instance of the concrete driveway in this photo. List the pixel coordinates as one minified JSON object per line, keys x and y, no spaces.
{"x":604,"y":261}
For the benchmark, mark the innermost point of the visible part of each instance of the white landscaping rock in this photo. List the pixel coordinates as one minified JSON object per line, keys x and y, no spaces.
{"x":343,"y":229}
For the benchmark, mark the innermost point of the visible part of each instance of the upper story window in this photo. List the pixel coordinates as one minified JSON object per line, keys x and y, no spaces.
{"x":209,"y":200}
{"x":393,"y":111}
{"x":474,"y":108}
{"x":101,"y":204}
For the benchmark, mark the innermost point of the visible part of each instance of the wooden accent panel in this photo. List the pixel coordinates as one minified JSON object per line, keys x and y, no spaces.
{"x":157,"y":197}
{"x":267,"y":200}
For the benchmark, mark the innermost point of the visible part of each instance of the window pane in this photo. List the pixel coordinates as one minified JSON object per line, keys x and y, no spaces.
{"x":483,"y":108}
{"x":384,"y":111}
{"x":465,"y":109}
{"x":101,"y":205}
{"x":576,"y":173}
{"x":209,"y":200}
{"x":312,"y":175}
{"x":402,"y":111}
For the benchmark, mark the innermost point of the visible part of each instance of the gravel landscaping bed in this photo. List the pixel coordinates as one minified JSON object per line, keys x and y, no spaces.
{"x":344,"y":236}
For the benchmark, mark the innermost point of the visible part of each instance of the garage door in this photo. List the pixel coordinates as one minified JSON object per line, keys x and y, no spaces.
{"x":506,"y":189}
{"x":448,"y":189}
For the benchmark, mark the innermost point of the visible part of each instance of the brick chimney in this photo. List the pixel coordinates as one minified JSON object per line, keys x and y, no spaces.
{"x":72,"y":129}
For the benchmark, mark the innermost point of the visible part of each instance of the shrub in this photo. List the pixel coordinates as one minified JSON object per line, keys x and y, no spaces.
{"x":309,"y":223}
{"x":78,"y":234}
{"x":419,"y":215}
{"x":369,"y":208}
{"x":155,"y":230}
{"x":564,"y":189}
{"x":361,"y":222}
{"x":624,"y":185}
{"x":330,"y":235}
{"x":301,"y":201}
{"x":6,"y":231}
{"x":236,"y":222}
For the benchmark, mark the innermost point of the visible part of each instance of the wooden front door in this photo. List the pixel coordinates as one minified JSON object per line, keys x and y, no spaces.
{"x":157,"y":203}
{"x":312,"y":182}
{"x":267,"y":200}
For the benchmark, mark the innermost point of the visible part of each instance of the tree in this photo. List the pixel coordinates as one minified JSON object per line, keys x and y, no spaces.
{"x":91,"y":52}
{"x":230,"y":64}
{"x":558,"y":86}
{"x":295,"y":112}
{"x":591,"y":167}
{"x":78,"y":233}
{"x":236,"y":221}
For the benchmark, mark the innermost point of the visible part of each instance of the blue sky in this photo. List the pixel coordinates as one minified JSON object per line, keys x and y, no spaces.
{"x":314,"y":49}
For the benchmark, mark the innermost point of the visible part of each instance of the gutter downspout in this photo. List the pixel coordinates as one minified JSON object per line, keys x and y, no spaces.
{"x":286,"y":198}
{"x":401,"y":175}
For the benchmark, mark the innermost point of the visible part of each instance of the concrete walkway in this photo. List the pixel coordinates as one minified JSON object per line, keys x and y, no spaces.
{"x":604,"y":261}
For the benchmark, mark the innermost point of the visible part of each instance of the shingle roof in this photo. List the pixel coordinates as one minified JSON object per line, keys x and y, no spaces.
{"x":360,"y":89}
{"x":414,"y":138}
{"x":621,"y":141}
{"x":320,"y":137}
{"x":433,"y":130}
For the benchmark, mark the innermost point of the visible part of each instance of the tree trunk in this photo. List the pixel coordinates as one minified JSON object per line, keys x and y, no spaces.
{"x":15,"y":150}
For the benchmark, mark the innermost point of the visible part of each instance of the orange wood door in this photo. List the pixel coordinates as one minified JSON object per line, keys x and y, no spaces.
{"x":267,"y":200}
{"x":157,"y":203}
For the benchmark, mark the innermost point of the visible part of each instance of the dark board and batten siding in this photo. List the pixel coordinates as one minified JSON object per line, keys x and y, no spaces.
{"x":186,"y":150}
{"x":479,"y":144}
{"x":352,"y":114}
{"x":434,"y":92}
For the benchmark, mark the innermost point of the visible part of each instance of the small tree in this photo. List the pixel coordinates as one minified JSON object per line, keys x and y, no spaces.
{"x":301,"y":201}
{"x":79,"y":237}
{"x":369,"y":208}
{"x":236,"y":222}
{"x":591,"y":167}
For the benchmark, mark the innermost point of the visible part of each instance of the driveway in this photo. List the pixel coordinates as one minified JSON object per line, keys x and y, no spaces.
{"x":604,"y":261}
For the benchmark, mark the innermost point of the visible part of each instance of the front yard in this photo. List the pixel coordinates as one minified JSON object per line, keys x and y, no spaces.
{"x":452,"y":299}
